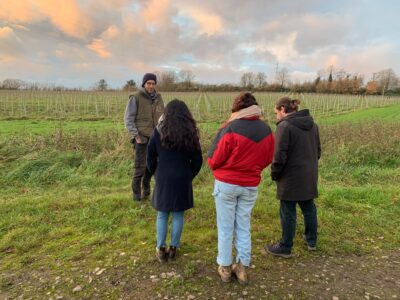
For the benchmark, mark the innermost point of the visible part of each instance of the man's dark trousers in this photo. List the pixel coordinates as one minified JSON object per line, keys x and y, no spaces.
{"x":141,"y":176}
{"x":288,"y":221}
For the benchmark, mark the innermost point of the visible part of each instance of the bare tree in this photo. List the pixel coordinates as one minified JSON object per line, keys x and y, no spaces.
{"x":247,"y":80}
{"x":12,"y":84}
{"x":186,"y":77}
{"x":282,"y":77}
{"x":341,"y":74}
{"x":387,"y":80}
{"x":167,"y":79}
{"x":260,"y":80}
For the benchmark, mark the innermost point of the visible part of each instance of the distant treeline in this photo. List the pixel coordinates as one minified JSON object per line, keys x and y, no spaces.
{"x":331,"y":81}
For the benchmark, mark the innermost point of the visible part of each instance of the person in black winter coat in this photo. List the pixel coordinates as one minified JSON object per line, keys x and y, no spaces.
{"x":295,"y":170}
{"x":174,"y":156}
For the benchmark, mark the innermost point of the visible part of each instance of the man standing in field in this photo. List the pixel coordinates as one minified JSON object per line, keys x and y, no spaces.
{"x":142,"y":113}
{"x":295,"y":170}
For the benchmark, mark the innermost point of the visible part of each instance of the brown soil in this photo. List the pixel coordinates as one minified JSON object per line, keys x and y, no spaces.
{"x":313,"y":276}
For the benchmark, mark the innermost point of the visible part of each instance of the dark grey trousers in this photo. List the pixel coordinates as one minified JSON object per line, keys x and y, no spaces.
{"x":288,"y":221}
{"x":141,"y":176}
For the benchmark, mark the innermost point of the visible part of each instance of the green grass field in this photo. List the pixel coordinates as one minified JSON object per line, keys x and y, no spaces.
{"x":10,"y":128}
{"x":68,"y":219}
{"x":386,"y":114}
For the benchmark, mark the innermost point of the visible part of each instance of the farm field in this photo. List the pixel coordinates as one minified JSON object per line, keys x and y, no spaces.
{"x":385,"y":114}
{"x":69,"y":227}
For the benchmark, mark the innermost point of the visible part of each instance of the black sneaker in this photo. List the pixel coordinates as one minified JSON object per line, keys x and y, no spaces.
{"x":146,"y":194}
{"x":162,"y":255}
{"x":309,"y":247}
{"x":172,"y":252}
{"x":278,"y":250}
{"x":137,"y":197}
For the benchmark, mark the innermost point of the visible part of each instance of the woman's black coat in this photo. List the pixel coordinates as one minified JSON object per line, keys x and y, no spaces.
{"x":174,"y":171}
{"x":297,"y":150}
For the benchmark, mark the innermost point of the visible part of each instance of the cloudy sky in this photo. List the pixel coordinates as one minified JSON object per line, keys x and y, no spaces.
{"x":78,"y":42}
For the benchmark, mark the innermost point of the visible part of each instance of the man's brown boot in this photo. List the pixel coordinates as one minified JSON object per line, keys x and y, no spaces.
{"x":240,"y":272}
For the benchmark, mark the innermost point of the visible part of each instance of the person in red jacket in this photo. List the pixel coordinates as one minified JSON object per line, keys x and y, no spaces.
{"x":243,"y":147}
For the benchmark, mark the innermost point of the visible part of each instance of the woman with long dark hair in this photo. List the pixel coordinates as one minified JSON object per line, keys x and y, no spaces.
{"x":174,"y":156}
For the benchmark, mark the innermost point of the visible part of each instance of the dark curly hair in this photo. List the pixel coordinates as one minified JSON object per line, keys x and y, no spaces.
{"x":178,"y":129}
{"x":244,"y":100}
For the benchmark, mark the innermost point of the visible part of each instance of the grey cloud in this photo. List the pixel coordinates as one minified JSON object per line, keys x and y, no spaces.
{"x":10,"y":43}
{"x":212,"y":48}
{"x":248,"y":16}
{"x":312,"y":30}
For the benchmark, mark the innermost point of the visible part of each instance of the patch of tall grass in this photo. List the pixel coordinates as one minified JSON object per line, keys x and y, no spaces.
{"x":362,"y":144}
{"x":358,"y":151}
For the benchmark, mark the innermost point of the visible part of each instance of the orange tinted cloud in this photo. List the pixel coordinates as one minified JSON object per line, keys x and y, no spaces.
{"x":66,"y":15}
{"x":141,"y":67}
{"x":111,"y":32}
{"x":99,"y":46}
{"x":7,"y":58}
{"x":332,"y":61}
{"x":208,"y":23}
{"x":24,"y":11}
{"x":6,"y":32}
{"x":156,"y":12}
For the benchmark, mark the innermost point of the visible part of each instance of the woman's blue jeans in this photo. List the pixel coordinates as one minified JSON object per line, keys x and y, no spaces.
{"x":162,"y":228}
{"x":234,"y":204}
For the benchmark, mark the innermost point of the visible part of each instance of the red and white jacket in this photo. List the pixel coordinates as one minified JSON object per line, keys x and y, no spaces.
{"x":241,"y":150}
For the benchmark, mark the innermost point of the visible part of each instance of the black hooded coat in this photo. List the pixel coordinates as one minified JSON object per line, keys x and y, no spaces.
{"x":296,"y":155}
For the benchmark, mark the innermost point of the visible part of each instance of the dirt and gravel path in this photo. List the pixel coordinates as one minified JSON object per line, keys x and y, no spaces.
{"x":315,"y":276}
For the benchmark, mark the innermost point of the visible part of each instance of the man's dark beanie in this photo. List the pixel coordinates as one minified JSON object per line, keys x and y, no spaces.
{"x":149,"y":76}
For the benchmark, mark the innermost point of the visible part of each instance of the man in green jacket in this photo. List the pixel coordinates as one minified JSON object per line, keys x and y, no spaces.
{"x":142,"y":113}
